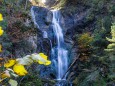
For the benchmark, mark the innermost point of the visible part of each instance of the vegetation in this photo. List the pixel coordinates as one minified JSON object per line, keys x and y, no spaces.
{"x":99,"y":70}
{"x":84,"y":46}
{"x":11,"y":69}
{"x":95,"y":43}
{"x":111,"y":55}
{"x":15,"y":67}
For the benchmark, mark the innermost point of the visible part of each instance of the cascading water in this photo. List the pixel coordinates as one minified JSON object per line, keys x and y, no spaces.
{"x":59,"y":51}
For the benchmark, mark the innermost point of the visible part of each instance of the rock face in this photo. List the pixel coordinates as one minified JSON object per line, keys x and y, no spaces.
{"x":43,"y":18}
{"x":48,"y":3}
{"x":71,"y":24}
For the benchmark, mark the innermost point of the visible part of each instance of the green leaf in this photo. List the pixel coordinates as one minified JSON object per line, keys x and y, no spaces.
{"x":13,"y":82}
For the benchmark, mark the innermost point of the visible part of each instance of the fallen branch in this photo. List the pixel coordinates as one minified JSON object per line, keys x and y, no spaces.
{"x":71,"y":65}
{"x":49,"y":81}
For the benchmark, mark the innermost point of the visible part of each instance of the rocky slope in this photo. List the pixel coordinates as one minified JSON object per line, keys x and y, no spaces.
{"x":77,"y":17}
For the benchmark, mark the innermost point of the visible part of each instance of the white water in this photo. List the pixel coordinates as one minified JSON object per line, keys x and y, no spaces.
{"x":33,"y":16}
{"x":45,"y":34}
{"x":58,"y":51}
{"x":62,"y":54}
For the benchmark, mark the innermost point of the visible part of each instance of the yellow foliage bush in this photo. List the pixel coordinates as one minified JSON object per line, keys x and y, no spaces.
{"x":1,"y":17}
{"x":84,"y":45}
{"x":1,"y":31}
{"x":85,"y":40}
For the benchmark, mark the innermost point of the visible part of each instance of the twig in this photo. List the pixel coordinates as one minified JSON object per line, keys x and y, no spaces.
{"x":26,"y":4}
{"x":71,"y":66}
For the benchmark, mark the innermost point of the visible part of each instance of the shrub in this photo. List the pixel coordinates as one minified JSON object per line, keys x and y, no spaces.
{"x":84,"y":45}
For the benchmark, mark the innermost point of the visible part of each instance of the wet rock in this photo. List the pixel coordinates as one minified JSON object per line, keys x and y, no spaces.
{"x":48,"y":19}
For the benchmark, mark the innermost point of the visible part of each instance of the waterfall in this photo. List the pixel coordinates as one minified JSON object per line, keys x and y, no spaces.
{"x":61,"y":52}
{"x":58,"y":51}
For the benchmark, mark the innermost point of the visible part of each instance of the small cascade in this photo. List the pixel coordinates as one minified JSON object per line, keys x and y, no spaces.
{"x":33,"y":16}
{"x":59,"y":53}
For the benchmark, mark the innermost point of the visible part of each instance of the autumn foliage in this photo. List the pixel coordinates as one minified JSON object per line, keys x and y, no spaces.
{"x":84,"y":45}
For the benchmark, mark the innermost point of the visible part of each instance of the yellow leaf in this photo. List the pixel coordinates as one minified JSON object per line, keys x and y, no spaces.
{"x":44,"y":61}
{"x":10,"y":63}
{"x":19,"y":69}
{"x":0,"y":48}
{"x":1,"y":31}
{"x":1,"y":17}
{"x":40,"y":62}
{"x":47,"y":63}
{"x":1,"y":80}
{"x":13,"y":82}
{"x":43,"y":56}
{"x":6,"y":74}
{"x":37,"y":57}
